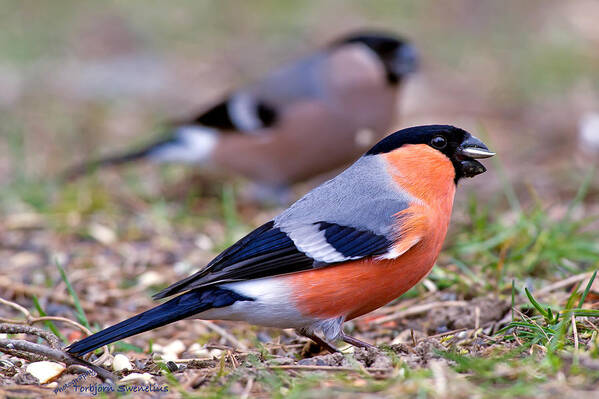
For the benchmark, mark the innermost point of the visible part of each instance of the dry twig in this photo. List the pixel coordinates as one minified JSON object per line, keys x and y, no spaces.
{"x":329,"y":368}
{"x":24,"y":329}
{"x":16,"y":346}
{"x":29,"y":320}
{"x":248,"y":389}
{"x":563,"y":283}
{"x":225,"y":334}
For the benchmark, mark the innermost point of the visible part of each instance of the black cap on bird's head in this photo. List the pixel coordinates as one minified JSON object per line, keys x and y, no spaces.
{"x":458,"y":145}
{"x":398,"y":56}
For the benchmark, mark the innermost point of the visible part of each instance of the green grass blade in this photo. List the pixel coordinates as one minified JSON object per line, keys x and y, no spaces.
{"x":534,"y":303}
{"x":513,"y":299}
{"x":80,"y":313}
{"x":586,"y":312}
{"x":586,"y":290}
{"x":48,"y":323}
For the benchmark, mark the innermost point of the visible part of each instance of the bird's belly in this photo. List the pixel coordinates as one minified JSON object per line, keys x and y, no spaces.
{"x":358,"y":287}
{"x":271,"y":306}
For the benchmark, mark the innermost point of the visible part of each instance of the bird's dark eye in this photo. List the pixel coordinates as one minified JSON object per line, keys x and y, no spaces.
{"x":439,"y":142}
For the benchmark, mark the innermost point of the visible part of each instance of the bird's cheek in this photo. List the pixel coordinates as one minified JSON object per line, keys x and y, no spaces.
{"x":471,"y":168}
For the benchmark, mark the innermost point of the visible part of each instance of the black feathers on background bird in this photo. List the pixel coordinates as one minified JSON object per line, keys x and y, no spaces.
{"x":302,"y":119}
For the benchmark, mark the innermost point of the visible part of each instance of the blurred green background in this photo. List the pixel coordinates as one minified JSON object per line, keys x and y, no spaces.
{"x":80,"y":78}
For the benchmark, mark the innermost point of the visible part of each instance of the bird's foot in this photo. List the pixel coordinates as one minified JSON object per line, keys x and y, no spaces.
{"x":324,"y":344}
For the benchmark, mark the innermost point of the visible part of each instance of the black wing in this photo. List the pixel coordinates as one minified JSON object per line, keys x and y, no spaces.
{"x":268,"y":251}
{"x":220,"y":116}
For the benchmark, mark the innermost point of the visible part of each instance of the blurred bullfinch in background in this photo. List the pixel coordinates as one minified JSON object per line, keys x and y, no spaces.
{"x":301,"y":120}
{"x":346,"y":248}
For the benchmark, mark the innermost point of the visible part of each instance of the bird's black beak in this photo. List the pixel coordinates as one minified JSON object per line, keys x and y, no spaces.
{"x":405,"y":60}
{"x":470,"y":150}
{"x":474,"y":148}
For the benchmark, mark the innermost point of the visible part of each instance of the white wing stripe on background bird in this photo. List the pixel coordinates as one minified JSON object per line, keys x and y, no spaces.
{"x":243,"y":109}
{"x":191,"y":144}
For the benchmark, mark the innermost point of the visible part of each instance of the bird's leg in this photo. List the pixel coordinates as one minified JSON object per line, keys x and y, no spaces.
{"x":355,"y":341}
{"x":328,"y":346}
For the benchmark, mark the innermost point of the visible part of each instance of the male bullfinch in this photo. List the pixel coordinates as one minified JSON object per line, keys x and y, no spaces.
{"x":301,"y":120}
{"x":347,"y":247}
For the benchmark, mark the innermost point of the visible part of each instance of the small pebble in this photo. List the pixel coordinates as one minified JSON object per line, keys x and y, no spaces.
{"x":217,"y":353}
{"x":172,"y":366}
{"x":102,"y":234}
{"x":140,"y":364}
{"x":16,"y":361}
{"x":177,"y":347}
{"x":589,"y":132}
{"x":121,"y":362}
{"x":204,"y":242}
{"x":171,"y":351}
{"x":199,"y":351}
{"x":263,"y":337}
{"x":149,"y":279}
{"x":182,"y":268}
{"x":23,"y":221}
{"x":145,"y":378}
{"x":281,"y":361}
{"x":312,"y":361}
{"x":45,"y":371}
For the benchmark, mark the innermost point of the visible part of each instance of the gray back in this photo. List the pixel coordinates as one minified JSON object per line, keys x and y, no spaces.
{"x":363,"y":197}
{"x":306,"y":78}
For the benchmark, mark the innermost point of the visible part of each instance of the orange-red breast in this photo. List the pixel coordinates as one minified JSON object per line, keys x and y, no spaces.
{"x":309,"y":117}
{"x":346,"y":248}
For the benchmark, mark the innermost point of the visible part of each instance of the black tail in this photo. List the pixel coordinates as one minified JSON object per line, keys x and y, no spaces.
{"x":77,"y":171}
{"x":181,"y":307}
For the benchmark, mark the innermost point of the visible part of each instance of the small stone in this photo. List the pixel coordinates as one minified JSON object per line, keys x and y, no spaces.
{"x":382,"y":362}
{"x":182,"y":268}
{"x":281,"y":361}
{"x":589,"y":132}
{"x":263,"y":337}
{"x":149,"y":279}
{"x":199,"y":351}
{"x":145,"y":378}
{"x":177,"y":347}
{"x":121,"y":362}
{"x":157,"y":348}
{"x":23,"y":221}
{"x":204,"y":242}
{"x":102,"y":234}
{"x":313,"y":361}
{"x":45,"y":371}
{"x":16,"y":361}
{"x":172,"y":366}
{"x":24,"y":259}
{"x":217,"y":353}
{"x":171,"y":351}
